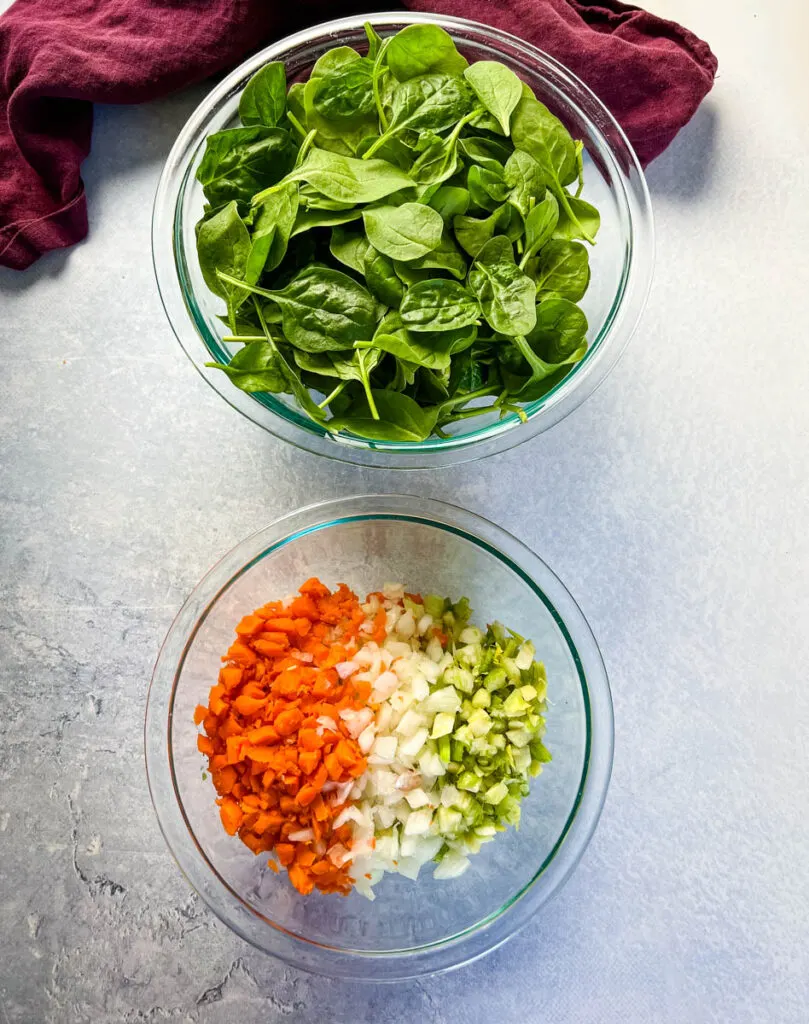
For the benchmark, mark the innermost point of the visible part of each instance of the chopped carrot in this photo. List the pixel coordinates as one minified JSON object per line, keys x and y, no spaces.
{"x":268,"y":753}
{"x":250,"y":624}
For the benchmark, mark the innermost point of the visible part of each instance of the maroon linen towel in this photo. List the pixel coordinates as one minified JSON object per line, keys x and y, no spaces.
{"x":57,"y":58}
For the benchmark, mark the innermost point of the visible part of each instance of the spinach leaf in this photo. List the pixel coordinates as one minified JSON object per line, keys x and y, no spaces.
{"x":489,"y":153}
{"x":374,"y":41}
{"x":348,"y":180}
{"x":438,"y":305}
{"x":507,"y":296}
{"x":381,"y":278}
{"x":308,"y":219}
{"x":535,"y":130}
{"x":450,"y":201}
{"x":563,"y":269}
{"x":432,"y":101}
{"x":437,"y":162}
{"x":341,"y":136}
{"x":524,"y":177}
{"x":347,"y":93}
{"x":223,"y":243}
{"x":539,"y":226}
{"x":324,"y":309}
{"x":273,"y":221}
{"x":255,"y":367}
{"x":497,"y":88}
{"x":394,"y":338}
{"x":238,"y":162}
{"x":421,"y":49}
{"x":579,"y":220}
{"x":473,"y":233}
{"x":445,"y":256}
{"x":401,"y":418}
{"x":349,"y":247}
{"x":560,"y":330}
{"x":404,"y":232}
{"x":487,"y":189}
{"x":264,"y":98}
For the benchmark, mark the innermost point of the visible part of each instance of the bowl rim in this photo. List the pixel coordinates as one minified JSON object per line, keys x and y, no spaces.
{"x":282,"y":421}
{"x":497,"y":926}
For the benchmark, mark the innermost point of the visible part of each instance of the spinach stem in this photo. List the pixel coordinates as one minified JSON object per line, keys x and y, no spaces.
{"x":243,"y":338}
{"x":450,"y":403}
{"x":376,"y":75}
{"x":337,"y":391}
{"x":296,"y":124}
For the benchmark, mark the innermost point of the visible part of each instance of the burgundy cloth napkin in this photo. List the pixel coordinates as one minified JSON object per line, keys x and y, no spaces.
{"x":58,"y":57}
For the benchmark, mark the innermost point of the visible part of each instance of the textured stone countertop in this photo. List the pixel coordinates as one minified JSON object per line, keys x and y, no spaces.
{"x":673,"y":504}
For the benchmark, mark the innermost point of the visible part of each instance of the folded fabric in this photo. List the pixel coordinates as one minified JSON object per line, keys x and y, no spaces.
{"x":57,"y":59}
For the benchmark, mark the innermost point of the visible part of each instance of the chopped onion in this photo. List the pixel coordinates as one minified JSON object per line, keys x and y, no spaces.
{"x":347,"y":668}
{"x":303,"y":835}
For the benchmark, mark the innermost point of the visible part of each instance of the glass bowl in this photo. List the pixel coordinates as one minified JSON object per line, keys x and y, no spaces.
{"x":411,"y":928}
{"x":621,"y":261}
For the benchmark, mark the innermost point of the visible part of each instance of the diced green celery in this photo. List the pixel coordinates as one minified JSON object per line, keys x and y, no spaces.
{"x":462,"y":610}
{"x":482,"y":698}
{"x":462,"y":735}
{"x":443,"y":724}
{"x":522,"y":759}
{"x":498,"y":740}
{"x":532,"y":720}
{"x":486,"y":660}
{"x":479,"y":722}
{"x":470,"y":635}
{"x":456,"y":748}
{"x":535,"y":769}
{"x":434,"y":605}
{"x":525,"y":656}
{"x":449,"y":820}
{"x":495,"y":679}
{"x":519,"y":737}
{"x":510,"y":666}
{"x":445,"y":749}
{"x":509,"y":811}
{"x":469,"y":659}
{"x":527,"y":693}
{"x":464,"y":801}
{"x":494,"y":794}
{"x":467,"y":709}
{"x":469,"y":781}
{"x":514,"y":705}
{"x":539,"y":752}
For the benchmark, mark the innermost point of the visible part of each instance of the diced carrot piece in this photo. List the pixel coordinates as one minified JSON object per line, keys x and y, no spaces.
{"x":205,"y":745}
{"x":306,"y":794}
{"x":301,"y":879}
{"x":250,"y":624}
{"x":231,"y":815}
{"x":200,"y":713}
{"x":333,"y":766}
{"x":235,"y":748}
{"x":230,"y":676}
{"x":314,"y":588}
{"x":288,"y":721}
{"x":248,"y":706}
{"x":261,"y":756}
{"x":268,"y":648}
{"x":264,"y":734}
{"x":241,"y":654}
{"x":310,"y":739}
{"x":304,"y":856}
{"x":308,"y":760}
{"x":224,"y":779}
{"x":285,"y":853}
{"x":273,"y":866}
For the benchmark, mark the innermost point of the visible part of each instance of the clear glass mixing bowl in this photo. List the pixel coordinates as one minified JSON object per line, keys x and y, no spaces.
{"x":621,"y":261}
{"x":411,"y":928}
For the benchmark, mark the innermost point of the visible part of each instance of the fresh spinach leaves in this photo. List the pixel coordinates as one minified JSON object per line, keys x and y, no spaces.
{"x":400,"y":234}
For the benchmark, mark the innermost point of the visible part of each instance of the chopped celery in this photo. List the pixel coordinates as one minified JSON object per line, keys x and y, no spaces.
{"x":514,"y":705}
{"x":469,"y":781}
{"x":496,"y":794}
{"x":434,"y":605}
{"x":445,"y":749}
{"x":443,"y":724}
{"x":482,"y":698}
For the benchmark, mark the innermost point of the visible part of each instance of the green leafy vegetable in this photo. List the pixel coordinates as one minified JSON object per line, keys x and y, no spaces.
{"x":265,"y":96}
{"x":507,"y":296}
{"x":497,"y":88}
{"x":421,"y":49}
{"x":398,"y":236}
{"x":404,"y":232}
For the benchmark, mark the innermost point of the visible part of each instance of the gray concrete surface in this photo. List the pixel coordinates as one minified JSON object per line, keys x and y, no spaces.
{"x":673,"y":504}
